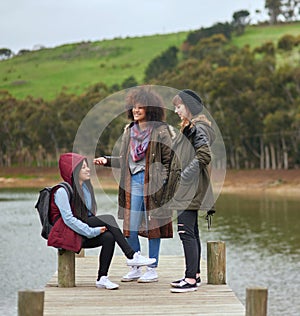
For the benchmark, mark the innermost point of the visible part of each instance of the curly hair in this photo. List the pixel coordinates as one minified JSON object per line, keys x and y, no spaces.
{"x":146,"y":97}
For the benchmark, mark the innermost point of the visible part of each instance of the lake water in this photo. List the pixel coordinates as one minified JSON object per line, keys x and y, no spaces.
{"x":261,"y":234}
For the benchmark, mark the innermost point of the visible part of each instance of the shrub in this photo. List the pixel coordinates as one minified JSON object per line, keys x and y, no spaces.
{"x":286,"y":42}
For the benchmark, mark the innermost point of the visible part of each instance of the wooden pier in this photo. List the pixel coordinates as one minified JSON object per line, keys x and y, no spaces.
{"x":134,"y":298}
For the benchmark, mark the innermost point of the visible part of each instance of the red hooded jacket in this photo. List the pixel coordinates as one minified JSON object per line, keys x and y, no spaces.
{"x":61,"y":236}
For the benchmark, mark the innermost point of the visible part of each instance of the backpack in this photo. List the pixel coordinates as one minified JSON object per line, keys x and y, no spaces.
{"x":43,"y":206}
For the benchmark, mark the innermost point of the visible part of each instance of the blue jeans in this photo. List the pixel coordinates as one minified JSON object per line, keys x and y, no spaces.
{"x":137,"y":214}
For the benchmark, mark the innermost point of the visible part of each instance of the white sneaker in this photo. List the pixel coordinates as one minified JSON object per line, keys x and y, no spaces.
{"x":139,"y":260}
{"x":149,"y":276}
{"x":132,"y":275}
{"x":105,"y":283}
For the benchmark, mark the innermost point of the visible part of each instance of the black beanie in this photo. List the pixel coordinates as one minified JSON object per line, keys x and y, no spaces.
{"x":192,"y":100}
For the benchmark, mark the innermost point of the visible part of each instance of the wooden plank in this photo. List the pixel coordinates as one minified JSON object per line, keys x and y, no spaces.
{"x":134,"y":298}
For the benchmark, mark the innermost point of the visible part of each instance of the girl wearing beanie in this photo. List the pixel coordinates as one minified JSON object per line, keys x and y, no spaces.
{"x":192,"y":157}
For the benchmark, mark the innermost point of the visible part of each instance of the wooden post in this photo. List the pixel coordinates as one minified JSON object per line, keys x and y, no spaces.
{"x":256,"y":301}
{"x":66,"y":268}
{"x":216,"y":262}
{"x":31,"y":303}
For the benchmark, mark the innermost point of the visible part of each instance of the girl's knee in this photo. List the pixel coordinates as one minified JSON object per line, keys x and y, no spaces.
{"x":108,"y":238}
{"x":181,"y":231}
{"x":109,"y":220}
{"x":180,"y":228}
{"x":185,"y":233}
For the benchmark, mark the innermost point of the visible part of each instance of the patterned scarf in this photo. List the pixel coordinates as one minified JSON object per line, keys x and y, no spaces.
{"x":139,"y":141}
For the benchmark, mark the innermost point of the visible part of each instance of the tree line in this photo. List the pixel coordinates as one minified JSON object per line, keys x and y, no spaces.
{"x":253,"y":95}
{"x":254,"y":98}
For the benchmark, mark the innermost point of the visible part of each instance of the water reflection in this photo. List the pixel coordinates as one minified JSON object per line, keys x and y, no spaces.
{"x":261,"y":234}
{"x":268,"y":222}
{"x":262,"y":247}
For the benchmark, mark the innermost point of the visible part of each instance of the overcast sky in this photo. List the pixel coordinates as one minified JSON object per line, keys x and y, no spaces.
{"x":26,"y":23}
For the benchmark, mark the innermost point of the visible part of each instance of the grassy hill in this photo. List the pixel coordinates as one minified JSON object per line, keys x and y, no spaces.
{"x":257,"y":35}
{"x":75,"y":67}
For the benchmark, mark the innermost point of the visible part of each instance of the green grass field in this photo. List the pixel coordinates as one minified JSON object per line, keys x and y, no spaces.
{"x":257,"y":35}
{"x":75,"y":67}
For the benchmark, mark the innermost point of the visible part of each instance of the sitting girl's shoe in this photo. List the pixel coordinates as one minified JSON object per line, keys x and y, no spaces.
{"x":138,"y":260}
{"x":105,"y":283}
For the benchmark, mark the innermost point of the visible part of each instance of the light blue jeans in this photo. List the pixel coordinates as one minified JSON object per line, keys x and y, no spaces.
{"x":137,"y":213}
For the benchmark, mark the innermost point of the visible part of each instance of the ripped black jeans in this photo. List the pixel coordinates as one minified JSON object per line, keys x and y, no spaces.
{"x":189,"y":235}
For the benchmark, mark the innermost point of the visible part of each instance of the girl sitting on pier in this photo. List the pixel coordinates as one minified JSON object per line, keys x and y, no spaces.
{"x":76,"y":225}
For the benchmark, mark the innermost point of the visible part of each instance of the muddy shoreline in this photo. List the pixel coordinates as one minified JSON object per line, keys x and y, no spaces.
{"x":286,"y":182}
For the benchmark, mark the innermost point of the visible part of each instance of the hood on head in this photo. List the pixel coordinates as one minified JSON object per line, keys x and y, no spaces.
{"x":67,"y":163}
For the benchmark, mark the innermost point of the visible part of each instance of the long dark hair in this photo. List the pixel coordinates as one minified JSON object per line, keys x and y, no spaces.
{"x":153,"y":103}
{"x":78,"y":201}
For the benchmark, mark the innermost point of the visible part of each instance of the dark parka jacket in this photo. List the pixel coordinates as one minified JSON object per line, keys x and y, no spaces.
{"x":156,"y":173}
{"x":189,"y":184}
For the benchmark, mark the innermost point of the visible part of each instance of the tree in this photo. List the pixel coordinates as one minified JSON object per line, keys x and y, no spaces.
{"x":211,"y":48}
{"x":291,"y":9}
{"x":5,"y":53}
{"x":277,"y":135}
{"x":274,"y":8}
{"x":240,"y":20}
{"x":219,"y":28}
{"x":129,"y":82}
{"x":23,"y":52}
{"x":286,"y":42}
{"x":167,"y":60}
{"x":267,"y":48}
